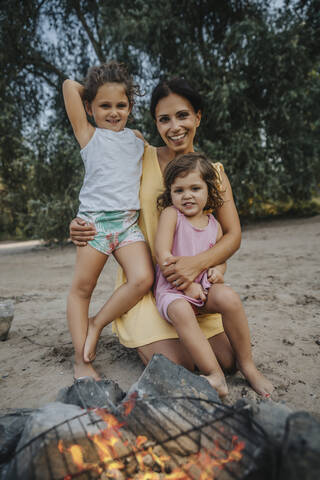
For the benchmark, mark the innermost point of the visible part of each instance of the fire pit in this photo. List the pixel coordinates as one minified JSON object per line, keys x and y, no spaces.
{"x":150,"y":439}
{"x":171,"y":425}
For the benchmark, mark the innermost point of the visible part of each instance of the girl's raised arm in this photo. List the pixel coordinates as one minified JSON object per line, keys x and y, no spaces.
{"x":165,"y":233}
{"x":72,"y":95}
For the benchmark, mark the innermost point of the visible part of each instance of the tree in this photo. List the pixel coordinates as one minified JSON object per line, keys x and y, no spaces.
{"x":257,"y":68}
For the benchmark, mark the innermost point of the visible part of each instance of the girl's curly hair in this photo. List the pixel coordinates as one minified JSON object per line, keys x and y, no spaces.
{"x":180,"y":167}
{"x":112,"y":72}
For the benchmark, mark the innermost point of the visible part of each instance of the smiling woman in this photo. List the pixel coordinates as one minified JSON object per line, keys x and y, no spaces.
{"x":177,"y":109}
{"x":177,"y":121}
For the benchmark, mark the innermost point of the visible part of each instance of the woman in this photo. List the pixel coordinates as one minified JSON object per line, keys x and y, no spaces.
{"x":176,"y":108}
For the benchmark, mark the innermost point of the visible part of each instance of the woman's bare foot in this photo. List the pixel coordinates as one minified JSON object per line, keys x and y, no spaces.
{"x":258,"y":382}
{"x":218,"y":382}
{"x":93,"y":334}
{"x":82,"y":369}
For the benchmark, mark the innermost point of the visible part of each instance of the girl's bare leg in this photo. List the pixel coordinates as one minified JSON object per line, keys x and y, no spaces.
{"x":136,"y":263}
{"x":223,"y":299}
{"x":185,"y":322}
{"x":89,"y":264}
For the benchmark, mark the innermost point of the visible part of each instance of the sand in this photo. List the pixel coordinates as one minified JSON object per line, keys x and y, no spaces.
{"x":276,"y":272}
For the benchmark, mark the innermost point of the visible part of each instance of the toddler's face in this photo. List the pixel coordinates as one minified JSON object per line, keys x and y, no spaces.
{"x":189,"y":194}
{"x":110,"y":107}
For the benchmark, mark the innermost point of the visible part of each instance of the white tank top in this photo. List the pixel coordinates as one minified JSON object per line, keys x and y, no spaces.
{"x":113,"y":164}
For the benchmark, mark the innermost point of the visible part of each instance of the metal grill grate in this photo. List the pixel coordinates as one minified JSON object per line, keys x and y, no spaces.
{"x":202,"y":440}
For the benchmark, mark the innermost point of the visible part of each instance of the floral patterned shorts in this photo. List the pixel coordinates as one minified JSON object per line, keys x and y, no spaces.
{"x":114,"y":229}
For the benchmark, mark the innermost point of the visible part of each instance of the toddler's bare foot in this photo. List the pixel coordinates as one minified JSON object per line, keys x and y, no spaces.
{"x":258,"y":382}
{"x":218,"y":382}
{"x":93,"y":334}
{"x":82,"y":369}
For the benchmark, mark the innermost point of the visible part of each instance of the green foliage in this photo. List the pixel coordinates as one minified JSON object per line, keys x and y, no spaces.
{"x":56,"y":176}
{"x":257,"y":68}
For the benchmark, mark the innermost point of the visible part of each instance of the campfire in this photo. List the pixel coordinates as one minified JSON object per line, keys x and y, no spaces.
{"x":151,"y":437}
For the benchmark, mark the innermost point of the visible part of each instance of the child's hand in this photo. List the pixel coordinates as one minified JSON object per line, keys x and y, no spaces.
{"x":196,"y":291}
{"x":214,"y":275}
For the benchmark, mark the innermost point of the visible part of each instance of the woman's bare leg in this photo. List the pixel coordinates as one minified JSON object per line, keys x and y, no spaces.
{"x":173,"y":349}
{"x":221,"y":298}
{"x":89,"y":263}
{"x":224,"y":352}
{"x":136,"y":263}
{"x":186,"y":324}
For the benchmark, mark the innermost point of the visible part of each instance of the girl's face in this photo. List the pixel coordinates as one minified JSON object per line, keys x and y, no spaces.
{"x":110,"y":108}
{"x":177,"y":123}
{"x":189,"y":194}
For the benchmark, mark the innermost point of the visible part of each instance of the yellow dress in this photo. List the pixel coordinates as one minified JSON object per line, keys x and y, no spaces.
{"x":143,"y":324}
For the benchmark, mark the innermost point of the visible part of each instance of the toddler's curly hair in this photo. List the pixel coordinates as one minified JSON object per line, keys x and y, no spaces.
{"x":111,"y":72}
{"x":184,"y":164}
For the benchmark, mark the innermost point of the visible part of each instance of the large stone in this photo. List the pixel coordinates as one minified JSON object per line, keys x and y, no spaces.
{"x":88,"y":393}
{"x":163,"y":378}
{"x":300,"y":453}
{"x":6,"y":317}
{"x":271,"y":416}
{"x":12,"y":423}
{"x":163,"y":396}
{"x":43,"y":450}
{"x":183,"y":413}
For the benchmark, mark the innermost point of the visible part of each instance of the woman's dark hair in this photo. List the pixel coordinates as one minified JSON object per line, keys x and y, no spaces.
{"x":184,"y":164}
{"x":179,"y":86}
{"x":112,"y":72}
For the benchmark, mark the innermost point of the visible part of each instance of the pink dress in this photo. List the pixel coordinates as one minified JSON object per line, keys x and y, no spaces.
{"x":188,"y":241}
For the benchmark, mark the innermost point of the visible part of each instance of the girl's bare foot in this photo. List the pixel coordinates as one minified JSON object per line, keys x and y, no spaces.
{"x":81,"y":369}
{"x":93,"y":334}
{"x":218,"y":382}
{"x":258,"y":382}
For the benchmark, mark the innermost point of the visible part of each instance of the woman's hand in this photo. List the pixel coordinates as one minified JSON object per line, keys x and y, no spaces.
{"x":181,"y":271}
{"x":81,"y":232}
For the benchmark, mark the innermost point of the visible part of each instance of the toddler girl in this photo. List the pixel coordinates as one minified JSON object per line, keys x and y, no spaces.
{"x":191,"y":187}
{"x":109,"y":198}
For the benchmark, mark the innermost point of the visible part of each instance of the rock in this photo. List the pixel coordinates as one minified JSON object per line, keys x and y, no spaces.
{"x":164,"y":403}
{"x":272,"y":417}
{"x":91,"y":394}
{"x":12,"y":423}
{"x":40,"y":457}
{"x":300,"y":457}
{"x":164,"y":378}
{"x":6,"y":317}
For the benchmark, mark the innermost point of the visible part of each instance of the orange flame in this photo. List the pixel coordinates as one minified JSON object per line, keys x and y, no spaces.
{"x":130,"y":403}
{"x":206,"y":462}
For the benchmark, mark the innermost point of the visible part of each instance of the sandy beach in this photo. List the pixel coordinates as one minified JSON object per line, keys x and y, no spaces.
{"x":276,"y":272}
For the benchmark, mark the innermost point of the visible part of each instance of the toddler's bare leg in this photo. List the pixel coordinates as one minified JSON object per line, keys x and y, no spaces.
{"x":185,"y":322}
{"x":89,"y":264}
{"x":223,"y":299}
{"x":136,"y":263}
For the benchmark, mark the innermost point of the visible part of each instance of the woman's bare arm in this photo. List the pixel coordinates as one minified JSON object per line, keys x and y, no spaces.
{"x":186,"y":269}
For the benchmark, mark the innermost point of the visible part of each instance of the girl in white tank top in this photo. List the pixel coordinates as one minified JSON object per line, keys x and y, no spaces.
{"x":109,"y":198}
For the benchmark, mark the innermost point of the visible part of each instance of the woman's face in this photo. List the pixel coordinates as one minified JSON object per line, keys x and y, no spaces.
{"x":177,"y":123}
